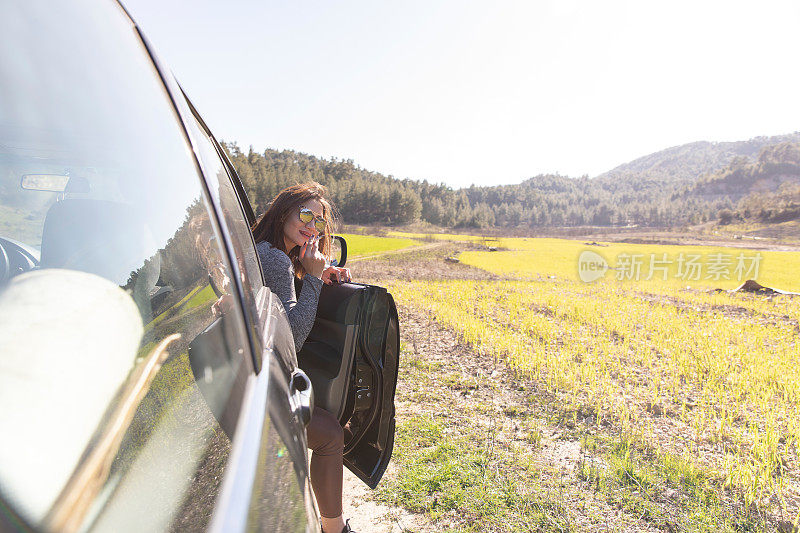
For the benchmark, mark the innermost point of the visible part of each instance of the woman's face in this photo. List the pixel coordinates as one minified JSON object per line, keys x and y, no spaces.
{"x":295,"y":231}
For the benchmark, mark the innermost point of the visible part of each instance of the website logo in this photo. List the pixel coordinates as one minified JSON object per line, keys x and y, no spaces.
{"x":591,"y":266}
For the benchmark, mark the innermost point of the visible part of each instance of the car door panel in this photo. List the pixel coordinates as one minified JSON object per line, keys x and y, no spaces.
{"x":351,"y":356}
{"x":368,"y":453}
{"x":267,"y":488}
{"x":329,"y":371}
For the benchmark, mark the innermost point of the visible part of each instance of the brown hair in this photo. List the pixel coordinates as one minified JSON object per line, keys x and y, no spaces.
{"x":287,"y":204}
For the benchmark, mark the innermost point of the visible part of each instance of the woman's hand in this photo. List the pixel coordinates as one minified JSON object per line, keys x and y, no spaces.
{"x":311,"y":258}
{"x":335,"y":274}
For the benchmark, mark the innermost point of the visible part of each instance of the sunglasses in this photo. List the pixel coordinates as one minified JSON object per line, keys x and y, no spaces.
{"x":307,"y":215}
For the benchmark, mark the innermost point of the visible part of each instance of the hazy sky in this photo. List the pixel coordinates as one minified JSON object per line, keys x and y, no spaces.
{"x":482,"y":92}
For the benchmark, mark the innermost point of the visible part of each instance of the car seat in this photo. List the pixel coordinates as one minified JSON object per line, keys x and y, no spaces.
{"x":110,"y":239}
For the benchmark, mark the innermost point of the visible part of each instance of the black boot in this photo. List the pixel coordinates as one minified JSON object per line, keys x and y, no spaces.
{"x":347,"y":528}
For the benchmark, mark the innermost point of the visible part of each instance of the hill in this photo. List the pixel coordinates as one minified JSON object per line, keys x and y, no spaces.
{"x":687,"y":162}
{"x":775,"y":166}
{"x":766,"y":190}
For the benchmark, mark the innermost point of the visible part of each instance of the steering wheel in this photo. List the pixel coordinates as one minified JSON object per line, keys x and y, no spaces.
{"x":5,"y":265}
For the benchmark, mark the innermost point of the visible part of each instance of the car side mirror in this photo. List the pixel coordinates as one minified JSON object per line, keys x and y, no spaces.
{"x":338,"y":251}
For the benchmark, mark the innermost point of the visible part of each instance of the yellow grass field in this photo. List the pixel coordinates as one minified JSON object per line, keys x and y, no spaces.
{"x":700,"y":266}
{"x":712,"y":378}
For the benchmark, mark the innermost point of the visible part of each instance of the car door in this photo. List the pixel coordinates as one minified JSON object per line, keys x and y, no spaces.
{"x":352,"y":357}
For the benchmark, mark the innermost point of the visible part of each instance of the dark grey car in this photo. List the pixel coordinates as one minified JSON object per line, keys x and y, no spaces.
{"x":148,"y":378}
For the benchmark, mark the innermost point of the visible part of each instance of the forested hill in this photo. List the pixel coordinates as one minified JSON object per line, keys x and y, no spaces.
{"x":685,"y":163}
{"x":765,"y":190}
{"x":657,"y":190}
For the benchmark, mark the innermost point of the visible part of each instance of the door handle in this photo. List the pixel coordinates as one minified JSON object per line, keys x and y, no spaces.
{"x":301,"y":396}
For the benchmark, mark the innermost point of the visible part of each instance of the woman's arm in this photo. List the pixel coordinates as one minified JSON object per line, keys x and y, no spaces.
{"x":279,"y":277}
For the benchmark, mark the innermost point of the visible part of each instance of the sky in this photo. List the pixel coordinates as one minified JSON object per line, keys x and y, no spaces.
{"x":487,"y":93}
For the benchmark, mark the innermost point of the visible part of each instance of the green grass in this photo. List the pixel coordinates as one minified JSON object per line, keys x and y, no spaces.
{"x":204,"y":296}
{"x":670,"y":491}
{"x":197,"y":297}
{"x":462,"y":478}
{"x":457,"y":472}
{"x":365,"y":245}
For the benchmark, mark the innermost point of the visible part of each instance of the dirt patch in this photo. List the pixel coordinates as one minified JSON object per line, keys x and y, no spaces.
{"x":369,"y":516}
{"x":754,"y":287}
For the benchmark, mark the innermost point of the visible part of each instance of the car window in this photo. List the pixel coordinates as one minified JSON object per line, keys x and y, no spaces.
{"x":122,"y":345}
{"x":229,"y":203}
{"x":238,"y":231}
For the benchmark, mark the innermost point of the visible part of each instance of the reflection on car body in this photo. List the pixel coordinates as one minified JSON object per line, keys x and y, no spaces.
{"x":148,"y":378}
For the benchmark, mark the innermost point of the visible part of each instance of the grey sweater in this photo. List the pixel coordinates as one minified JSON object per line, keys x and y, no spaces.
{"x":279,"y":276}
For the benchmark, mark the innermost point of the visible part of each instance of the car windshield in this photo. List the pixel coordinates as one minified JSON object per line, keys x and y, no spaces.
{"x":59,"y":116}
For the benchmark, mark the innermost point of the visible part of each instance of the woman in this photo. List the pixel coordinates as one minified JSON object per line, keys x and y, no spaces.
{"x":293,"y":239}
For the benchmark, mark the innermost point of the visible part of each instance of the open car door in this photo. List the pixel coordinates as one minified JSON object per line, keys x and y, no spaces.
{"x":351,"y":356}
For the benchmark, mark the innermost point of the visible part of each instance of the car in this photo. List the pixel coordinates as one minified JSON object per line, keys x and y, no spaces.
{"x":148,"y":377}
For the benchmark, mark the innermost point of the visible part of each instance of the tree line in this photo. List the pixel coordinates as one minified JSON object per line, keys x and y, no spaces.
{"x":367,"y":197}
